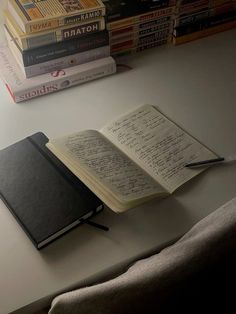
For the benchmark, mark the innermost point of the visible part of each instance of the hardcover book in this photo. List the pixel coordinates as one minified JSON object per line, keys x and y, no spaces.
{"x":203,"y":33}
{"x":145,"y":17}
{"x":38,"y":15}
{"x":133,"y":159}
{"x":141,"y":28}
{"x":22,"y":89}
{"x":116,"y":9}
{"x":46,"y":199}
{"x":30,"y":41}
{"x":130,"y":42}
{"x":127,"y":50}
{"x":205,"y":23}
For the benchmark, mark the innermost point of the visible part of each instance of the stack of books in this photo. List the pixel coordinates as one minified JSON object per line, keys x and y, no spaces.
{"x":199,"y":18}
{"x":136,"y":25}
{"x":55,"y":39}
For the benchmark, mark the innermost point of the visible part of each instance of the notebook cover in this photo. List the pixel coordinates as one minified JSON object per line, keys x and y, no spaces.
{"x":43,"y":195}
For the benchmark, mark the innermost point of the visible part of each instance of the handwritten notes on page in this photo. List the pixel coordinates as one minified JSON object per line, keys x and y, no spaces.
{"x":158,"y":145}
{"x":107,"y":165}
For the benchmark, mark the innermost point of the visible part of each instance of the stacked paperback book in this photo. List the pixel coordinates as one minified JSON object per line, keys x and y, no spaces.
{"x":54,"y":44}
{"x":136,"y":25}
{"x":199,"y":18}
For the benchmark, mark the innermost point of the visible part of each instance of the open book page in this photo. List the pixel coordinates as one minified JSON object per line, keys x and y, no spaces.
{"x":104,"y":168}
{"x":158,"y":145}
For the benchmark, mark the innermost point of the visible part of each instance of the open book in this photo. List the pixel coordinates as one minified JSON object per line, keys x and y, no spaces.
{"x":137,"y":157}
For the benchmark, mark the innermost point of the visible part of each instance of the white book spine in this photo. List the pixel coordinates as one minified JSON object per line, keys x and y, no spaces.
{"x":22,"y":89}
{"x":66,"y":62}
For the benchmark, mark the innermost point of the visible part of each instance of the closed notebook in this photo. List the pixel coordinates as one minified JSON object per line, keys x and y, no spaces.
{"x":44,"y":196}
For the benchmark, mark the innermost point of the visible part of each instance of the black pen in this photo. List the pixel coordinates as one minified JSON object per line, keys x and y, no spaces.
{"x":211,"y":162}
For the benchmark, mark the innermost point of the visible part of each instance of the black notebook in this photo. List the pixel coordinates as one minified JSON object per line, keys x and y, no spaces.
{"x":43,"y":195}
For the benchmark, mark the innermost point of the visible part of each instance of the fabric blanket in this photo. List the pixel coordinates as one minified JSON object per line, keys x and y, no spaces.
{"x":149,"y":284}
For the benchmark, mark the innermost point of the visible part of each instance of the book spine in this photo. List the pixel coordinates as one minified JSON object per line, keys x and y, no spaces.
{"x":67,"y":62}
{"x":153,"y":44}
{"x":65,"y":33}
{"x":118,"y":11}
{"x":34,"y":26}
{"x":65,"y":48}
{"x":205,"y":23}
{"x":34,"y":21}
{"x":193,"y":7}
{"x":217,"y":3}
{"x":145,"y":40}
{"x":193,"y":18}
{"x":134,"y":50}
{"x":140,"y":33}
{"x":185,"y":19}
{"x":140,"y":27}
{"x":203,"y":33}
{"x":21,"y":90}
{"x":62,"y":83}
{"x":141,"y":18}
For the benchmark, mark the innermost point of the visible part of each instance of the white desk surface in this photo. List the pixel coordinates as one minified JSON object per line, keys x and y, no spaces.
{"x":195,"y":85}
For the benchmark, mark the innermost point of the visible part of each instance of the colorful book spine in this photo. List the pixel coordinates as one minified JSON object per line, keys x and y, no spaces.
{"x":61,"y":49}
{"x":39,"y":15}
{"x":22,"y":89}
{"x":146,"y":17}
{"x":31,"y":41}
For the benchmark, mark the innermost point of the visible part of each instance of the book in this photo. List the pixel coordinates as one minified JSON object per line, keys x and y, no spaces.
{"x":117,"y":10}
{"x":58,"y":63}
{"x":46,"y":199}
{"x":141,"y":28}
{"x":22,"y":89}
{"x":192,"y":7}
{"x":36,"y":16}
{"x":135,"y":158}
{"x":145,"y":17}
{"x":127,"y":50}
{"x":131,"y":42}
{"x":34,"y":40}
{"x":203,"y":33}
{"x":205,"y":23}
{"x":64,"y":62}
{"x":58,"y":50}
{"x":131,"y":32}
{"x":185,"y":19}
